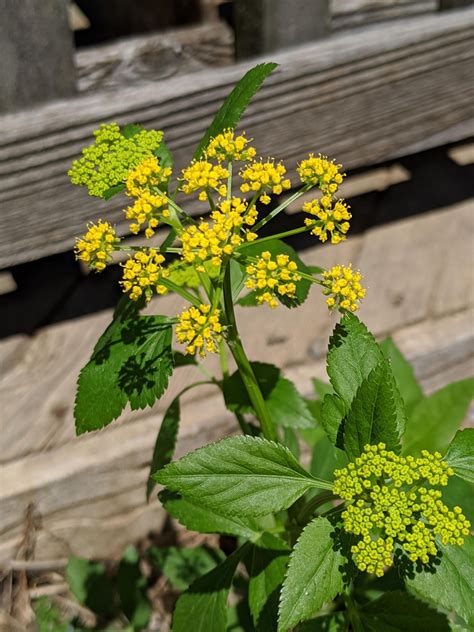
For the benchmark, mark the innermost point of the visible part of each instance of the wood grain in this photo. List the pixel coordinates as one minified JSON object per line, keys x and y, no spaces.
{"x":362,"y":97}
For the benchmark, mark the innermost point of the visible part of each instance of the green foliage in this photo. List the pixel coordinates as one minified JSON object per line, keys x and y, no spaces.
{"x":460,"y":454}
{"x":191,"y":514}
{"x":235,"y":105}
{"x":435,"y":419}
{"x":131,"y":362}
{"x":243,"y":475}
{"x":131,"y":589}
{"x":276,"y":247}
{"x":90,"y":585}
{"x":204,"y":602}
{"x":266,"y":565}
{"x":48,"y":617}
{"x":285,"y":405}
{"x":403,"y":373}
{"x":374,"y":415}
{"x":399,"y":611}
{"x":450,"y":584}
{"x":165,"y":442}
{"x":184,"y":566}
{"x":314,"y":574}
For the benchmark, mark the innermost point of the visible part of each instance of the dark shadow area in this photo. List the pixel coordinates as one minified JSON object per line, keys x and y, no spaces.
{"x":55,"y":289}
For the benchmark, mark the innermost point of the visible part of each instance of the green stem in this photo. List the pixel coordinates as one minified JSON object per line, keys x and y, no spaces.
{"x":194,"y":300}
{"x":308,"y":510}
{"x":286,"y":233}
{"x":161,"y":249}
{"x":281,"y":207}
{"x":244,"y":366}
{"x":229,"y":180}
{"x":352,"y":613}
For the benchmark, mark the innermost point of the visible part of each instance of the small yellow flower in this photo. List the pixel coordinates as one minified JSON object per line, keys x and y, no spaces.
{"x":205,"y":177}
{"x":319,"y":171}
{"x":150,"y":206}
{"x":142,"y":274}
{"x":106,"y":162}
{"x":227,"y":147}
{"x":263,"y":178}
{"x":332,"y":217}
{"x":272,"y":278}
{"x":200,"y":330}
{"x":389,"y":504}
{"x":343,"y":288}
{"x":96,"y":246}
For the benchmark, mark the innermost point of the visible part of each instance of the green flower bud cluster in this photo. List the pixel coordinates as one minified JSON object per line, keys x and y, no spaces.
{"x":107,"y":162}
{"x":389,"y":504}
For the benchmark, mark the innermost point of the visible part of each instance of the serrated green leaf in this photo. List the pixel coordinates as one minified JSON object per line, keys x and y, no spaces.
{"x":131,"y":587}
{"x":451,"y":585}
{"x":117,"y":188}
{"x":325,"y":459}
{"x":403,"y":373}
{"x":460,"y":454}
{"x":332,"y":415}
{"x":285,"y":405}
{"x":460,"y":492}
{"x":203,"y":607}
{"x":373,"y":416}
{"x":353,"y":354}
{"x":183,"y":566}
{"x":132,"y":361}
{"x":235,"y":104}
{"x":90,"y":585}
{"x":165,"y":442}
{"x":435,"y":419}
{"x":266,"y":565}
{"x":335,"y":622}
{"x":248,"y":476}
{"x":276,"y":247}
{"x":400,"y":612}
{"x":314,"y":574}
{"x":191,"y":514}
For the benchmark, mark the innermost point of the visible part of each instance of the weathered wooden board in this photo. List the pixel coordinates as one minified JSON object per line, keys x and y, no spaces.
{"x":90,"y":493}
{"x":363,"y":97}
{"x":347,"y":14}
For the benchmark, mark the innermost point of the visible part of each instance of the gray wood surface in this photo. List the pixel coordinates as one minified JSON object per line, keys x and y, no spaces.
{"x":36,"y":53}
{"x":362,"y":97}
{"x":263,"y":26}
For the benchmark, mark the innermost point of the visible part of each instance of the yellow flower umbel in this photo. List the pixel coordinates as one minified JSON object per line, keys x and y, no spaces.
{"x":332,"y":217}
{"x":107,"y":162}
{"x":263,"y":178}
{"x":96,"y":246}
{"x":320,"y":172}
{"x":343,"y":288}
{"x":150,"y":206}
{"x":142,"y":274}
{"x":205,"y":177}
{"x":393,"y":505}
{"x":226,"y":147}
{"x":200,"y":330}
{"x":272,"y":278}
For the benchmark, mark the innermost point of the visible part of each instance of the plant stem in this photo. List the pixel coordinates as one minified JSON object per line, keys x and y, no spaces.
{"x":287,"y":233}
{"x":194,"y":300}
{"x":308,"y":510}
{"x":244,"y":366}
{"x":352,"y":613}
{"x":281,"y":207}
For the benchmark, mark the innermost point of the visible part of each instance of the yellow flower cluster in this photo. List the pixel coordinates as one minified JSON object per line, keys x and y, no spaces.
{"x":228,"y":147}
{"x":321,"y":172}
{"x":106,"y":162}
{"x":205,"y":177}
{"x":263,"y":177}
{"x":96,"y":246}
{"x":271,"y":278}
{"x":200,"y":330}
{"x":391,"y":506}
{"x":332,"y":218}
{"x":343,"y":288}
{"x":150,"y":205}
{"x":214,"y":240}
{"x":142,"y":273}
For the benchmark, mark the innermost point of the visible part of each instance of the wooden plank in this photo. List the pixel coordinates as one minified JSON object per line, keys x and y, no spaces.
{"x":347,"y":14}
{"x":90,"y":493}
{"x":362,"y":99}
{"x":263,"y":26}
{"x":36,"y":52}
